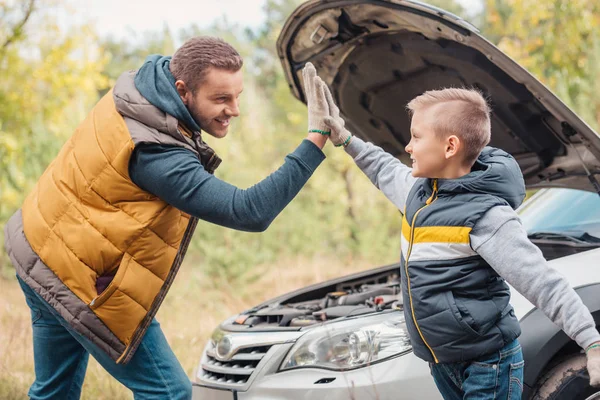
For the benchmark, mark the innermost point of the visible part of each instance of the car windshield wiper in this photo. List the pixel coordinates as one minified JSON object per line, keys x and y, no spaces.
{"x":572,"y":238}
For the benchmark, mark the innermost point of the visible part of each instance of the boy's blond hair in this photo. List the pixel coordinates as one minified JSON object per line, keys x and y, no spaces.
{"x":468,"y":117}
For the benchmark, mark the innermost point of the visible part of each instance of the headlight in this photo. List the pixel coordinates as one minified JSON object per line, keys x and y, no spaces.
{"x":350,"y":344}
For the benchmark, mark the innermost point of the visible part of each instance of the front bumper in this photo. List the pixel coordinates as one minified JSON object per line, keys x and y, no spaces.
{"x":402,"y":377}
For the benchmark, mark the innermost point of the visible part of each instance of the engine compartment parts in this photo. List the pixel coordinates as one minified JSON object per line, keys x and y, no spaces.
{"x":365,"y":299}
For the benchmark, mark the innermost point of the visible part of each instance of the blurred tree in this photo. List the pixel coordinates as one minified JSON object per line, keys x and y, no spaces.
{"x":452,"y":6}
{"x":57,"y":79}
{"x":49,"y":82}
{"x":557,"y":41}
{"x":14,"y":19}
{"x":127,"y":54}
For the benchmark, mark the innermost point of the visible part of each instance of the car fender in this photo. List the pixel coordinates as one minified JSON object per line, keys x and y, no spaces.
{"x":542,"y":340}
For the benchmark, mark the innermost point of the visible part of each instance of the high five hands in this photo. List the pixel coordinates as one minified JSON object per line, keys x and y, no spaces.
{"x":323,"y":114}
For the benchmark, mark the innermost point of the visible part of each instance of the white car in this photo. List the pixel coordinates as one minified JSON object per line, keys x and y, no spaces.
{"x":346,"y":338}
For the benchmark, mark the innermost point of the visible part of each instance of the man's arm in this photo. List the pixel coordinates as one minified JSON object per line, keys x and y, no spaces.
{"x":502,"y":241}
{"x":176,"y":176}
{"x":386,"y":172}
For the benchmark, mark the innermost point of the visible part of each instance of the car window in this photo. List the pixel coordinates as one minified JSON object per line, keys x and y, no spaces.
{"x":559,"y":210}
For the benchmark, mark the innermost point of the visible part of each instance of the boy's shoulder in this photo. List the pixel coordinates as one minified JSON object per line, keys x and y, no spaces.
{"x":489,"y":223}
{"x":498,"y":214}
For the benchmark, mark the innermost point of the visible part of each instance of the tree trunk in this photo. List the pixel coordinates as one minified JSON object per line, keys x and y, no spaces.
{"x":350,"y":210}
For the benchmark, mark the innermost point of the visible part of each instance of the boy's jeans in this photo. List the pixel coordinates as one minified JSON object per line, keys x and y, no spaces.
{"x":61,"y":356}
{"x":498,"y":375}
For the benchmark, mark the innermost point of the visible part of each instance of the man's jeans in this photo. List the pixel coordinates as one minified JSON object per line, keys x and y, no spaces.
{"x":498,"y":375}
{"x":61,"y":357}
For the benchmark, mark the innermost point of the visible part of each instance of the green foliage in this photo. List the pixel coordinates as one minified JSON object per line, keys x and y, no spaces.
{"x":124,"y":55}
{"x":557,"y":41}
{"x":449,"y":5}
{"x":49,"y":82}
{"x":52,"y":78}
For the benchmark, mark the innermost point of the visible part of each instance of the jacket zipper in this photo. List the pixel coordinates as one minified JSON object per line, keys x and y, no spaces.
{"x":430,"y":200}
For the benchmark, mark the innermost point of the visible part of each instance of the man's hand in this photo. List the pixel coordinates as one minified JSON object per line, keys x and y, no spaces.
{"x":340,"y":136}
{"x":593,"y":363}
{"x":317,"y":106}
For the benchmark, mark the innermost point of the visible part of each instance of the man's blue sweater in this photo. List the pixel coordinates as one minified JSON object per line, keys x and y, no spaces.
{"x":176,"y":176}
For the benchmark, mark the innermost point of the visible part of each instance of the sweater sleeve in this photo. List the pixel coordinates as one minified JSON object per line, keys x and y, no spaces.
{"x":176,"y":176}
{"x":384,"y":170}
{"x":502,"y":241}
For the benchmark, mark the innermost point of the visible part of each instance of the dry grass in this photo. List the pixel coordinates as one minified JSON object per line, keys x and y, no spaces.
{"x":194,"y":307}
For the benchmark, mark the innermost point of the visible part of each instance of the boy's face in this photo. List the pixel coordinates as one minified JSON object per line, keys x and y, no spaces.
{"x":427,"y":150}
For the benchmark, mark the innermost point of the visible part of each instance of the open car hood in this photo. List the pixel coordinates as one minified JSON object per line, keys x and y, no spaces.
{"x":377,"y":55}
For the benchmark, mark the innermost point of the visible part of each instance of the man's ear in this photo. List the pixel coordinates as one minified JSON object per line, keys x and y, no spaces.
{"x":453,"y":145}
{"x":183,"y":91}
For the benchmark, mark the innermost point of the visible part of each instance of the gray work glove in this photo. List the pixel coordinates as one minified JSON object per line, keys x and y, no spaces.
{"x":340,"y":136}
{"x":315,"y":100}
{"x":593,"y":364}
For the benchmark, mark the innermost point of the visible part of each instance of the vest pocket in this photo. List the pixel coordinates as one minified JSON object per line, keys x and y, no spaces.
{"x":459,"y":316}
{"x":113,"y":285}
{"x":127,"y":300}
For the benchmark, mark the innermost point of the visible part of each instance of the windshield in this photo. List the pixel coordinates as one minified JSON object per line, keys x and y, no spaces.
{"x":562,"y":210}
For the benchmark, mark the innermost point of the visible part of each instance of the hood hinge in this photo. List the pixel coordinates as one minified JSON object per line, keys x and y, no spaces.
{"x":569,"y":132}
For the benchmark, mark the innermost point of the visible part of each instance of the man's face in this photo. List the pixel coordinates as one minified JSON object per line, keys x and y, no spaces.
{"x":426,"y":148}
{"x":215,"y":101}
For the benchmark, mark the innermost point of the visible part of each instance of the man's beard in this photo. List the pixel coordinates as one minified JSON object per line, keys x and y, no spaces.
{"x":196,"y":116}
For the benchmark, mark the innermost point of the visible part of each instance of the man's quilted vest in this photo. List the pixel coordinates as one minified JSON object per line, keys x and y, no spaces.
{"x":456,"y":306}
{"x":85,"y":219}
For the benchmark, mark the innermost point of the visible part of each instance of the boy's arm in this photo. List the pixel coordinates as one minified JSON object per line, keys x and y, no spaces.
{"x":500,"y":239}
{"x":386,"y":172}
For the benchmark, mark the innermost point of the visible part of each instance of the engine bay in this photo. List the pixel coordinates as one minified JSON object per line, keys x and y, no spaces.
{"x":352,"y":298}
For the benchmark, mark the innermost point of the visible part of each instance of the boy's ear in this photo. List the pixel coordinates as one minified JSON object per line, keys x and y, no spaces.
{"x":453,"y":146}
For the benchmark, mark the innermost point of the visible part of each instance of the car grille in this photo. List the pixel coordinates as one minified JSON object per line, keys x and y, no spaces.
{"x":236,"y":371}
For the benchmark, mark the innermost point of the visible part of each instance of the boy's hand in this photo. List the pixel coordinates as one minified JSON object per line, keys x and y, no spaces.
{"x":316,"y":102}
{"x":340,"y":136}
{"x":593,"y":364}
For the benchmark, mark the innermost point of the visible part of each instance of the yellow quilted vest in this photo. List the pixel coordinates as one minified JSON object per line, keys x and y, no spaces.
{"x":86,"y":218}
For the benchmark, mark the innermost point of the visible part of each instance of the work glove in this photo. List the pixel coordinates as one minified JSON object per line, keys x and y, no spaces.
{"x":340,"y":136}
{"x":593,"y":363}
{"x":315,"y":100}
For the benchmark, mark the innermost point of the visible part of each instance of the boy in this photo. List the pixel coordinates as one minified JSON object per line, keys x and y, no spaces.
{"x":461,"y":239}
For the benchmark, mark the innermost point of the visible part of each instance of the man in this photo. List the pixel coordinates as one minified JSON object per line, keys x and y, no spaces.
{"x":98,"y":242}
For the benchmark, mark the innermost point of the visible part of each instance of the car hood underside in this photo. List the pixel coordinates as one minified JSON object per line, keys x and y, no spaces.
{"x":377,"y":55}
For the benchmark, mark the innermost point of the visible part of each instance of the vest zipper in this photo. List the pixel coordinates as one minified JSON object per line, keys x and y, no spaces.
{"x":138,"y":335}
{"x":143,"y":327}
{"x":430,"y":200}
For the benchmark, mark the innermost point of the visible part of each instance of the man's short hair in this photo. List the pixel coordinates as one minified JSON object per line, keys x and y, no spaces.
{"x":192,"y":60}
{"x":468,"y":117}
